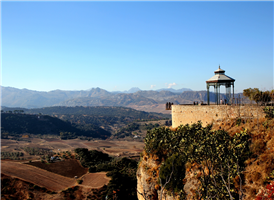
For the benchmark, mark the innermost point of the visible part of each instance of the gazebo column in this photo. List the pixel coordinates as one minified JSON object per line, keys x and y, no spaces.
{"x":233,"y":92}
{"x":219,"y":91}
{"x":215,"y":92}
{"x":226,"y":92}
{"x":207,"y":87}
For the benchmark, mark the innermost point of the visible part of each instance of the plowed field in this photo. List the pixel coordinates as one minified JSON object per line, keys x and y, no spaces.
{"x":36,"y":176}
{"x":69,"y":168}
{"x":95,"y":180}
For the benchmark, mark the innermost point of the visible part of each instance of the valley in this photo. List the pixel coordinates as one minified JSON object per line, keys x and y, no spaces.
{"x":31,"y":139}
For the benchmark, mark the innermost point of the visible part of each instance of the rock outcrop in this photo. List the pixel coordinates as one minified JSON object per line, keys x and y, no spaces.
{"x":149,"y":187}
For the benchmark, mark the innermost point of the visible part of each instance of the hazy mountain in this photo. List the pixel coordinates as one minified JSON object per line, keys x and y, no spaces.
{"x":136,"y":89}
{"x":131,"y":90}
{"x":13,"y":97}
{"x":142,"y":98}
{"x":157,"y":96}
{"x":174,"y":90}
{"x":97,"y":92}
{"x":114,"y":100}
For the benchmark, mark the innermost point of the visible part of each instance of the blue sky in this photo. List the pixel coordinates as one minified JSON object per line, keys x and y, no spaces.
{"x":150,"y":45}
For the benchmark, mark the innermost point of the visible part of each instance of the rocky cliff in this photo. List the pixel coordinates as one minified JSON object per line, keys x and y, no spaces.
{"x":149,"y":186}
{"x":234,"y":159}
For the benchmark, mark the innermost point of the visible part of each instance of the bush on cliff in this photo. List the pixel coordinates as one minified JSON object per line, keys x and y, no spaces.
{"x":173,"y":168}
{"x":220,"y":158}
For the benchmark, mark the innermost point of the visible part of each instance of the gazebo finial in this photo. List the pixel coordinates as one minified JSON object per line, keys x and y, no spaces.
{"x":219,"y":66}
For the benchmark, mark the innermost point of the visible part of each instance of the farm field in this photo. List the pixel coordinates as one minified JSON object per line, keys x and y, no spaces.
{"x":114,"y":147}
{"x":36,"y":175}
{"x":58,"y":176}
{"x":95,"y":180}
{"x":23,"y":179}
{"x":53,"y":176}
{"x":68,"y":168}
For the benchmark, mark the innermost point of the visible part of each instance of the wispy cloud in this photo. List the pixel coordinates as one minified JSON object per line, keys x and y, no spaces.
{"x":170,"y":85}
{"x":152,"y":86}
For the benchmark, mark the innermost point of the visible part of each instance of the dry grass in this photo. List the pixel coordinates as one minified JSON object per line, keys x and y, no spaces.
{"x":261,"y":164}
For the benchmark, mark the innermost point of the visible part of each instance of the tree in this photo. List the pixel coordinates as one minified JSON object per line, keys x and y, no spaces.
{"x":266,"y":96}
{"x":48,"y":158}
{"x":258,"y":96}
{"x":251,"y":93}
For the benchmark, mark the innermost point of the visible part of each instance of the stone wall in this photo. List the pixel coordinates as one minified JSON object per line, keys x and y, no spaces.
{"x":188,"y":114}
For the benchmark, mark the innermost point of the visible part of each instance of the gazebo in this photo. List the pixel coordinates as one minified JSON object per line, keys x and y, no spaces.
{"x":216,"y":81}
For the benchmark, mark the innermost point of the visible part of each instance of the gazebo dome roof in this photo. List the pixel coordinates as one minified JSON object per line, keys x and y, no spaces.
{"x":219,"y":71}
{"x":220,"y":77}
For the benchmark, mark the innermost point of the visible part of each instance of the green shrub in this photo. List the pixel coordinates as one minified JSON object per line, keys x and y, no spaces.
{"x":173,"y":168}
{"x":35,"y":187}
{"x":220,"y":153}
{"x":79,"y":181}
{"x":269,"y":111}
{"x":92,"y":169}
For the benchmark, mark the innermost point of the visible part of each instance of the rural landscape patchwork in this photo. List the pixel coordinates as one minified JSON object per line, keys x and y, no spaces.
{"x":117,"y":152}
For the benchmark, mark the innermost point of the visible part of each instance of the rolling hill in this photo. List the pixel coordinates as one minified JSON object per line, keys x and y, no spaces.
{"x":19,"y":124}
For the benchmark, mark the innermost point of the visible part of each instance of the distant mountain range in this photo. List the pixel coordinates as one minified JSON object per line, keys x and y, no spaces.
{"x":136,"y":89}
{"x":24,"y":98}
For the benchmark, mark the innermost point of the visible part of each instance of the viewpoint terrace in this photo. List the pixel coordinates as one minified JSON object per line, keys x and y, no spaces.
{"x":229,"y":107}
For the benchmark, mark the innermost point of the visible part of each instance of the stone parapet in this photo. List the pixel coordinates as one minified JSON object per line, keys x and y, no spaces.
{"x":188,"y":114}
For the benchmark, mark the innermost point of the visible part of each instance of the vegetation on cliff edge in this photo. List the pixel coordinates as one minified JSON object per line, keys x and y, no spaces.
{"x":222,"y":156}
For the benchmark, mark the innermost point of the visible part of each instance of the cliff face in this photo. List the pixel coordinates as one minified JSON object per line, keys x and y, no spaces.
{"x":149,"y":187}
{"x":253,"y":178}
